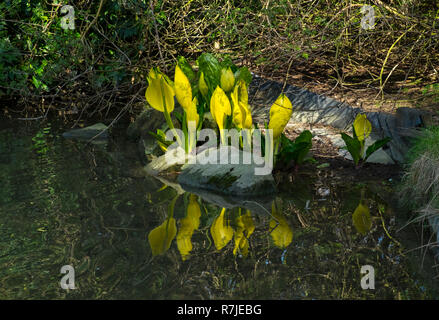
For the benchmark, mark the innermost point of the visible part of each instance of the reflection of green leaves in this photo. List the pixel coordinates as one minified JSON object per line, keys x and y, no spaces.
{"x":361,"y":219}
{"x":40,"y":140}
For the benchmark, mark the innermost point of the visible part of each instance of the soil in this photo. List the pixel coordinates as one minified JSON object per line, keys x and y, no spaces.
{"x":331,"y":163}
{"x":398,"y":94}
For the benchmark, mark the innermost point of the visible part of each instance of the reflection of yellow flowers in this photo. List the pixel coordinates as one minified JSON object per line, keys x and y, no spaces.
{"x":221,"y":231}
{"x":187,"y":226}
{"x":227,"y":79}
{"x":183,"y":90}
{"x":362,"y":127}
{"x":202,"y":85}
{"x":220,"y":108}
{"x":244,"y":228}
{"x":361,"y":219}
{"x":161,"y":237}
{"x":160,"y":92}
{"x":280,"y":114}
{"x":280,"y":231}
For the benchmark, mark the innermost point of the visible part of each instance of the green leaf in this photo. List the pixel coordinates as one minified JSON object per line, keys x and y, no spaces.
{"x":161,"y":139}
{"x":186,"y":68}
{"x":375,"y":146}
{"x":244,"y":74}
{"x":353,"y":146}
{"x":179,"y":117}
{"x":296,"y":150}
{"x":228,"y":63}
{"x":211,"y":68}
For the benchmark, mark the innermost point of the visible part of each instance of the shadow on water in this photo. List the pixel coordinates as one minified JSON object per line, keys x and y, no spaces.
{"x":128,"y":235}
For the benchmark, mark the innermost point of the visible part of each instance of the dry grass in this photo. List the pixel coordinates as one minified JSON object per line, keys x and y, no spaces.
{"x":420,"y":191}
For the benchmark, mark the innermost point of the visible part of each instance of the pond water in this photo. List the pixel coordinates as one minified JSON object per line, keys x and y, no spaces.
{"x":129,"y":236}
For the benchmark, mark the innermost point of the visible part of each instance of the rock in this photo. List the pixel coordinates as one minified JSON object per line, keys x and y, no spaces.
{"x":168,"y":162}
{"x":148,"y":120}
{"x":98,"y":132}
{"x":257,"y":205}
{"x":312,"y":108}
{"x":233,"y":178}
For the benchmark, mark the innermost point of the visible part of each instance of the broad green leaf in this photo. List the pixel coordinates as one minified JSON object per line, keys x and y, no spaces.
{"x":353,"y":146}
{"x":211,"y":69}
{"x":243,"y":74}
{"x":228,"y":63}
{"x":186,"y":68}
{"x":375,"y":146}
{"x":296,"y":152}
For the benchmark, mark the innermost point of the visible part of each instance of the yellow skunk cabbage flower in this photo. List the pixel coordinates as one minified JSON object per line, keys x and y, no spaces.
{"x":227,"y":79}
{"x":280,"y":231}
{"x":183,"y":90}
{"x":159,"y":91}
{"x":188,"y":225}
{"x":244,"y":228}
{"x":191,"y":113}
{"x":202,"y":85}
{"x":161,"y":237}
{"x":221,"y":231}
{"x":241,"y":112}
{"x":220,"y":108}
{"x":248,"y":123}
{"x":362,"y":127}
{"x":361,"y":219}
{"x":280,"y":114}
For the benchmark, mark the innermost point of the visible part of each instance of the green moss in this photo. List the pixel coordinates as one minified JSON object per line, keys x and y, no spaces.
{"x":223,"y":182}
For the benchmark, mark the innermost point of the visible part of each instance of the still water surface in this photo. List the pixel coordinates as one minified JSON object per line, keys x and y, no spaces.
{"x":129,"y":236}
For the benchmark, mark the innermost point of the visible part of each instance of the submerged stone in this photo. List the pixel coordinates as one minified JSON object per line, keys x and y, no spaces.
{"x":98,"y":132}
